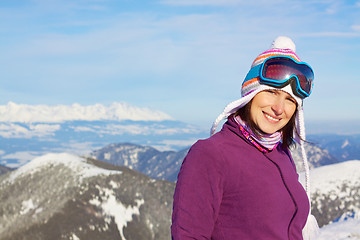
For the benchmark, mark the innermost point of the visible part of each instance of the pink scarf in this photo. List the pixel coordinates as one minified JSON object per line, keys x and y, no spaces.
{"x":265,"y":143}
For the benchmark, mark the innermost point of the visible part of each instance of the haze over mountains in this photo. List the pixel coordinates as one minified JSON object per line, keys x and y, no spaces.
{"x":28,"y":131}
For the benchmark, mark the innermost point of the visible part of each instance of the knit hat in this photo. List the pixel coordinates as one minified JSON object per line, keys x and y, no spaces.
{"x":282,"y":46}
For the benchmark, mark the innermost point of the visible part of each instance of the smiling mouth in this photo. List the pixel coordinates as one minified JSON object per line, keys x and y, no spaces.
{"x":271,"y":118}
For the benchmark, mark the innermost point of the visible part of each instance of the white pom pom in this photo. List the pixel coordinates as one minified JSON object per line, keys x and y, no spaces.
{"x":282,"y":42}
{"x":311,"y":229}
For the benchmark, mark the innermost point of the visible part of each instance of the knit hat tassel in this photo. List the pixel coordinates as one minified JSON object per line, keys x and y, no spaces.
{"x":311,"y":229}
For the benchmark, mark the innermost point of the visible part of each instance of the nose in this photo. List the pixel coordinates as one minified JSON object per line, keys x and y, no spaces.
{"x":278,"y":105}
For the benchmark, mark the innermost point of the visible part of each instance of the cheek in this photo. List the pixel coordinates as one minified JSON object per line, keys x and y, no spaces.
{"x":290,"y":109}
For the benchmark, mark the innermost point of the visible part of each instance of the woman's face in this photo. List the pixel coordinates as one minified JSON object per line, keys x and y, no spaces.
{"x":271,"y":110}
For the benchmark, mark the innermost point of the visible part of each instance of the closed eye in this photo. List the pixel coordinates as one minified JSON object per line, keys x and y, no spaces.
{"x":270,"y":91}
{"x":291,"y":99}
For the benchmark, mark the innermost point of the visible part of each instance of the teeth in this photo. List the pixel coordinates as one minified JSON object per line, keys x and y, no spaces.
{"x":271,"y":118}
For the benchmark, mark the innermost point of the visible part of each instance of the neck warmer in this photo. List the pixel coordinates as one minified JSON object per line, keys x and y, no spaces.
{"x":265,"y":142}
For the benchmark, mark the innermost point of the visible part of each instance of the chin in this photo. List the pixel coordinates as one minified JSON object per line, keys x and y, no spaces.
{"x":269,"y":130}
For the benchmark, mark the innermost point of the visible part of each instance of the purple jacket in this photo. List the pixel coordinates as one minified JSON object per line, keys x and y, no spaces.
{"x":228,"y":190}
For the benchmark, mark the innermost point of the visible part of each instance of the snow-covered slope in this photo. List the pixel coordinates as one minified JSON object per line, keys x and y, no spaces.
{"x":62,"y":196}
{"x":335,"y":191}
{"x":80,"y":198}
{"x":344,"y":230}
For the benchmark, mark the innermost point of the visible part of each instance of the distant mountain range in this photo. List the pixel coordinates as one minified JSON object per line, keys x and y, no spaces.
{"x":22,"y":142}
{"x":147,"y":160}
{"x":166,"y":164}
{"x":28,"y":131}
{"x":342,"y":147}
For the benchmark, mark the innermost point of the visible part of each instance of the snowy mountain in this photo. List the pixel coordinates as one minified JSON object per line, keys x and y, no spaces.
{"x":343,"y":230}
{"x":62,"y":196}
{"x":335,"y":187}
{"x":335,"y":191}
{"x":145,"y":159}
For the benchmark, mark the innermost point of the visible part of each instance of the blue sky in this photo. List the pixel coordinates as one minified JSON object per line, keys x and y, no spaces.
{"x":186,"y":58}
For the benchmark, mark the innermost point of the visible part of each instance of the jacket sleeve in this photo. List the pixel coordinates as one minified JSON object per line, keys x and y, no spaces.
{"x":198,"y":193}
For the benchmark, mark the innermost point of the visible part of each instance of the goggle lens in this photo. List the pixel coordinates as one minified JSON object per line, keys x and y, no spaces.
{"x":279,"y":70}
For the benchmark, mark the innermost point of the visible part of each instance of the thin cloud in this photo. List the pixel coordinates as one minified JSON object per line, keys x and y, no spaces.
{"x":356,"y":28}
{"x":336,"y":34}
{"x":202,"y":2}
{"x":115,"y":50}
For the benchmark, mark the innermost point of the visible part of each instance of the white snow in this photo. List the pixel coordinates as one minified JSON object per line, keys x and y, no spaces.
{"x":323,"y":178}
{"x":77,"y":164}
{"x":74,"y":237}
{"x":346,"y":143}
{"x":112,"y":207}
{"x":27,"y":206}
{"x":328,"y":179}
{"x":346,"y":230}
{"x":13,"y":112}
{"x":107,"y":156}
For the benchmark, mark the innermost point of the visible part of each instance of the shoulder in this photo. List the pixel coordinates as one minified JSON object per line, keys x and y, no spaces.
{"x":218,"y":144}
{"x":204,"y":151}
{"x":220,"y":148}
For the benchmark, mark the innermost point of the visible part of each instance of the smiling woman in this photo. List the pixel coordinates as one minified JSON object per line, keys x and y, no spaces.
{"x":241,"y":183}
{"x":270,"y":112}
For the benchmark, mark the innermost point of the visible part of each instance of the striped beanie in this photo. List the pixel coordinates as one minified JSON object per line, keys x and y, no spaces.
{"x":281,"y":46}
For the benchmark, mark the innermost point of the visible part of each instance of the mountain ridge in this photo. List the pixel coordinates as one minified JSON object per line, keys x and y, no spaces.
{"x":63,"y":196}
{"x":166,"y":164}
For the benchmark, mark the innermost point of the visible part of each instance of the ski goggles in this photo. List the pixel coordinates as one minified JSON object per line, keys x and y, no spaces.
{"x":279,"y":71}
